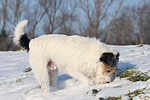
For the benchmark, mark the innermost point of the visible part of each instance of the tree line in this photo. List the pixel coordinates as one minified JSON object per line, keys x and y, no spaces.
{"x":93,"y":18}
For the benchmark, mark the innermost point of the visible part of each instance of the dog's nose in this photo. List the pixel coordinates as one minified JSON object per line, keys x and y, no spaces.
{"x":107,"y":82}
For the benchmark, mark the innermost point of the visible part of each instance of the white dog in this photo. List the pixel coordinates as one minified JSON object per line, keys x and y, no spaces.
{"x":86,"y":59}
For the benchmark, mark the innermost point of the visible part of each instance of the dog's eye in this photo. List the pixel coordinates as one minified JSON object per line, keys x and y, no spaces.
{"x":108,"y":71}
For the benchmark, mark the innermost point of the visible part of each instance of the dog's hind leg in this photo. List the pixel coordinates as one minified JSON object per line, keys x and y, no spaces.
{"x":39,"y":67}
{"x":53,"y":73}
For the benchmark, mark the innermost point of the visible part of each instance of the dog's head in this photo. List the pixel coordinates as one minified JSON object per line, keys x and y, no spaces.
{"x":107,"y":67}
{"x":109,"y":59}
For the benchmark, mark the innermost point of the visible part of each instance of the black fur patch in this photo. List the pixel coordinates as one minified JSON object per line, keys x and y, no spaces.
{"x":108,"y":58}
{"x":117,"y":56}
{"x":24,"y":41}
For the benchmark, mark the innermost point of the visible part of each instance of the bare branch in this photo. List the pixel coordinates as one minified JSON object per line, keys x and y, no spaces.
{"x":110,"y":30}
{"x":50,"y":8}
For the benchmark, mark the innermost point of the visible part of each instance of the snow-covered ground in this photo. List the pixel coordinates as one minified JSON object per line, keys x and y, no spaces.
{"x":15,"y":84}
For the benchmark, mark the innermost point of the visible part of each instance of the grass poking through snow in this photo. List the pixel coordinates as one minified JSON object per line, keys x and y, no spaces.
{"x":38,"y":87}
{"x":138,"y":92}
{"x":111,"y":98}
{"x":95,"y":92}
{"x":28,"y":69}
{"x":134,"y":75}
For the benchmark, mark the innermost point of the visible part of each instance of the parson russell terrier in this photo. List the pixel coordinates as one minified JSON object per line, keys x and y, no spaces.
{"x":86,"y":59}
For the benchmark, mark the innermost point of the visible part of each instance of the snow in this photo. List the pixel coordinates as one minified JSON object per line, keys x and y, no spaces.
{"x":15,"y":84}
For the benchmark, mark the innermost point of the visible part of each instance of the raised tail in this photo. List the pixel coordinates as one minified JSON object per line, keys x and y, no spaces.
{"x":19,"y":37}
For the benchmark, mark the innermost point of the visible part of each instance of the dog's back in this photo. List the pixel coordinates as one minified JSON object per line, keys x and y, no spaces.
{"x":63,"y":48}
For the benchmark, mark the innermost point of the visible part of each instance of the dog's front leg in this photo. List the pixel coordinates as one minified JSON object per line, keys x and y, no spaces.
{"x":45,"y":88}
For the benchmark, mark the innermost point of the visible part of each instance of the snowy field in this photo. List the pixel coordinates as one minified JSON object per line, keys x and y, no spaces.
{"x":16,"y":84}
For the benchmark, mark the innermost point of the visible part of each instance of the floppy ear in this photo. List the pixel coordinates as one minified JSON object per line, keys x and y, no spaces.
{"x":107,"y":58}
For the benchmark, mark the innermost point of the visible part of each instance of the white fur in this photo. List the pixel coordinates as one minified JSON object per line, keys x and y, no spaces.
{"x":77,"y":56}
{"x":19,"y":31}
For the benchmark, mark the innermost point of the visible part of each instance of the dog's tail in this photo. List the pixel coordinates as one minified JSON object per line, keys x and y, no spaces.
{"x":19,"y":37}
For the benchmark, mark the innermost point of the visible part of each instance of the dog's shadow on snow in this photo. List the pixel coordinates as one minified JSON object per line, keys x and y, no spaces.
{"x":122,"y":66}
{"x":65,"y":81}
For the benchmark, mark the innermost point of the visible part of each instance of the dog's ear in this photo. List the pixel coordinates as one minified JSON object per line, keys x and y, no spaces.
{"x":107,"y":58}
{"x":115,"y":60}
{"x":117,"y":56}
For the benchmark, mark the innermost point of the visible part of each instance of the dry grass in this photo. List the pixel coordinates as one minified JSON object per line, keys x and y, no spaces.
{"x":138,"y":92}
{"x":111,"y":98}
{"x":134,"y":75}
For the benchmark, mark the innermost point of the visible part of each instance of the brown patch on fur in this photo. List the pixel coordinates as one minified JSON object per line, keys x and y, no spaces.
{"x":106,"y":67}
{"x":51,"y":64}
{"x":52,"y":72}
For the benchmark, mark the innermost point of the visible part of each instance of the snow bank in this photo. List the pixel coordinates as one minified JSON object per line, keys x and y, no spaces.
{"x":15,"y":84}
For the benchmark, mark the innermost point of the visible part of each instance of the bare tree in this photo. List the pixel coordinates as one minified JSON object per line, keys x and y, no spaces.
{"x":95,"y":15}
{"x":14,"y":12}
{"x":4,"y":39}
{"x":123,"y":29}
{"x":114,"y":18}
{"x":17,"y":7}
{"x":68,"y":17}
{"x":4,"y":12}
{"x":144,"y":23}
{"x":131,"y":26}
{"x":51,"y":8}
{"x":34,"y":16}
